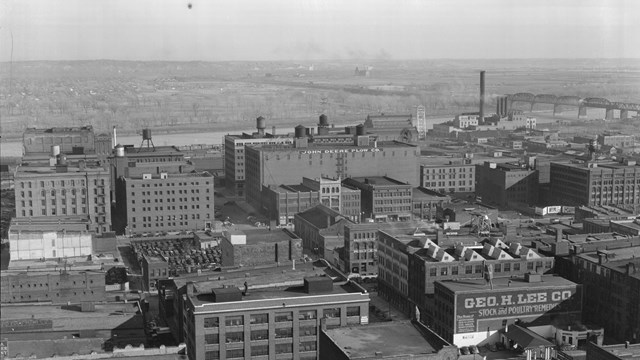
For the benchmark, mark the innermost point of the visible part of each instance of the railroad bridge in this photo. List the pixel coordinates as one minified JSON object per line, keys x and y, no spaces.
{"x":505,"y":102}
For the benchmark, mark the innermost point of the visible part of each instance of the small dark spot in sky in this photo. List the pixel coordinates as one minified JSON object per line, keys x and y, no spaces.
{"x":189,"y":6}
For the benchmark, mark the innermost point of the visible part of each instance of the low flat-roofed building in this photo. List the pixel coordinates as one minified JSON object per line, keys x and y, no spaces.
{"x":253,"y":247}
{"x":395,"y":340}
{"x":424,"y":202}
{"x":320,"y":229}
{"x":473,"y":310}
{"x":44,"y":237}
{"x":61,"y":329}
{"x":55,"y":286}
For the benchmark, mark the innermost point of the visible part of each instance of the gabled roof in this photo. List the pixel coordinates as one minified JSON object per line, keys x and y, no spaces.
{"x":321,"y":216}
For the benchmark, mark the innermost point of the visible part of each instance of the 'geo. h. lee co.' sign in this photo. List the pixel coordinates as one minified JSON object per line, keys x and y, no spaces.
{"x":473,"y":307}
{"x":338,"y":151}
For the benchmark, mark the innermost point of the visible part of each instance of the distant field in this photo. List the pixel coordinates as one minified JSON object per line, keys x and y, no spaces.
{"x":200,"y":96}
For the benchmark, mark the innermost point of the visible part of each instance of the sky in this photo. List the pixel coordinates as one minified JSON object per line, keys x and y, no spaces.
{"x":256,"y":30}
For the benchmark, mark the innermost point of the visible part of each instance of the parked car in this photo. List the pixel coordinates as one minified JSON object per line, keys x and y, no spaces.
{"x":474,"y":349}
{"x":464,"y":350}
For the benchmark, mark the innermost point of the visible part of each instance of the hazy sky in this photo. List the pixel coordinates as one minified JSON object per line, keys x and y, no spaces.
{"x":317,"y":29}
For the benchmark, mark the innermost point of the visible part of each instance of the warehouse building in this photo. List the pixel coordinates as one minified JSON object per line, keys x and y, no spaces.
{"x":472,"y":311}
{"x":234,"y":153}
{"x":43,"y":238}
{"x":383,"y":199}
{"x":596,"y":183}
{"x":310,"y":157}
{"x":61,"y":190}
{"x":281,"y":203}
{"x":253,"y":247}
{"x":269,"y":312}
{"x":57,"y":287}
{"x":448,"y":178}
{"x":507,"y":184}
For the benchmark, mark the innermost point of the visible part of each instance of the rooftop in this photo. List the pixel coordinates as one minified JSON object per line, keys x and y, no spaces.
{"x":50,"y":223}
{"x":623,"y":351}
{"x":332,"y":146}
{"x":373,"y":340}
{"x":132,"y":151}
{"x":320,"y":216}
{"x":480,"y":285}
{"x":377,"y":180}
{"x":71,"y":170}
{"x":68,"y":318}
{"x":257,"y":236}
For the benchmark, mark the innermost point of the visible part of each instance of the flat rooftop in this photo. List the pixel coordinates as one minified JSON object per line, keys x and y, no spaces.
{"x":257,"y":236}
{"x":50,"y":223}
{"x":132,"y":151}
{"x":69,"y":318}
{"x":378,"y":180}
{"x":374,"y":340}
{"x":332,"y":146}
{"x":480,"y":285}
{"x":71,"y":169}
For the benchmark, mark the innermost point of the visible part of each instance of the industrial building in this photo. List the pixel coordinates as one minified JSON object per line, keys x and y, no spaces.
{"x":234,"y":153}
{"x":157,"y":190}
{"x":507,"y":184}
{"x":270,"y":312}
{"x":58,"y":287}
{"x":383,"y":198}
{"x":320,"y":229}
{"x":472,"y":311}
{"x":611,"y":281}
{"x":623,"y":351}
{"x":392,"y":340}
{"x":44,"y":238}
{"x":424,"y":203}
{"x":259,"y":247}
{"x":281,"y":203}
{"x":596,"y":183}
{"x":61,"y":190}
{"x":392,"y":127}
{"x":330,"y":156}
{"x":618,"y":141}
{"x":73,"y":141}
{"x":449,"y":177}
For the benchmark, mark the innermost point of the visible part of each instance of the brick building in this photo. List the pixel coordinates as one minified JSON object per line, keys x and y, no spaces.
{"x":424,"y":202}
{"x":234,"y":154}
{"x":471,"y":311}
{"x":360,"y":255}
{"x":596,"y":183}
{"x":320,"y":229}
{"x":57,"y":287}
{"x":62,"y":190}
{"x":312,"y":157}
{"x":167,"y":202}
{"x":383,"y":198}
{"x":448,"y":178}
{"x":40,"y":238}
{"x":242,"y":316}
{"x":281,"y":203}
{"x":259,"y":247}
{"x":38,"y":143}
{"x":505,"y":184}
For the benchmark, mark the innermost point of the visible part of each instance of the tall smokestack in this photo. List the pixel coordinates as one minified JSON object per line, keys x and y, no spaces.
{"x":115,"y":139}
{"x":481,"y":119}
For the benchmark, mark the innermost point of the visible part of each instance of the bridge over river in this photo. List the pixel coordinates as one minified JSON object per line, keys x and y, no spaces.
{"x":505,"y":102}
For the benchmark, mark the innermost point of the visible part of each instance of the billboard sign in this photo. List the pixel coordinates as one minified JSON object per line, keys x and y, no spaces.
{"x":473,"y":308}
{"x":554,"y":209}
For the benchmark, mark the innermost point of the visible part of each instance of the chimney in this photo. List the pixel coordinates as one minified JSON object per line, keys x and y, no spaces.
{"x":558,"y":234}
{"x":481,"y":119}
{"x":190,"y":288}
{"x":273,"y":130}
{"x":115,"y":138}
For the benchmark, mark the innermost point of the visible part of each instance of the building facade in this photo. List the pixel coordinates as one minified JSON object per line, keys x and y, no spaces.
{"x":281,"y":203}
{"x":592,"y":183}
{"x":167,"y":202}
{"x":383,"y":198}
{"x":42,"y":238}
{"x":504,"y":184}
{"x":57,"y":287}
{"x":470,"y":312}
{"x":269,"y":323}
{"x":64,"y":191}
{"x":361,"y":249}
{"x":234,"y":154}
{"x":287,"y":164}
{"x":448,"y":178}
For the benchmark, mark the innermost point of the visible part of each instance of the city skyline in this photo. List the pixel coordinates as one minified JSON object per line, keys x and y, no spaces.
{"x":183,"y":30}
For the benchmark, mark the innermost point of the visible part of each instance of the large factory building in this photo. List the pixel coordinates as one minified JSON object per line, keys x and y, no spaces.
{"x":348,"y":155}
{"x":471,"y":311}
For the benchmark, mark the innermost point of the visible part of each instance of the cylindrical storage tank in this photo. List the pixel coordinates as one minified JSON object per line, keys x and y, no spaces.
{"x":146,"y":134}
{"x":360,"y":130}
{"x":55,"y":150}
{"x":300,"y":131}
{"x":119,"y":150}
{"x":323,"y":120}
{"x":261,"y":123}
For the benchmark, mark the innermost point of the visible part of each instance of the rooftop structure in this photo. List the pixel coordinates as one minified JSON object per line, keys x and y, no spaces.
{"x":624,"y":351}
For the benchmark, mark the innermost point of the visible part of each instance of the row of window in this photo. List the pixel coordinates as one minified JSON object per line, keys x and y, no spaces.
{"x":286,"y":316}
{"x":62,"y":183}
{"x":259,"y":350}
